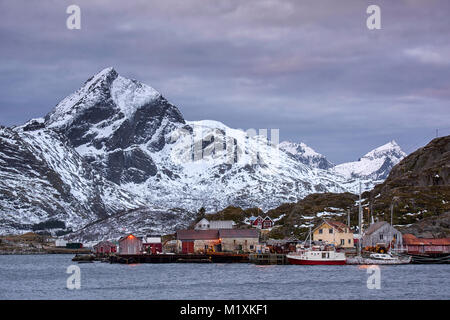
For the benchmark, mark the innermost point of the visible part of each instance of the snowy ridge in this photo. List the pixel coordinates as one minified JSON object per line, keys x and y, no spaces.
{"x":375,"y":165}
{"x":306,"y":154}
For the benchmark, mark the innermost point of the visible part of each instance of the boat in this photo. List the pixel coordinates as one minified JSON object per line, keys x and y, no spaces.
{"x":317,"y":256}
{"x":379,"y":258}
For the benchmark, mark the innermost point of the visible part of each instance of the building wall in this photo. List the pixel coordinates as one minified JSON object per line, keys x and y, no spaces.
{"x":387,"y":233}
{"x":200,"y":245}
{"x":335,"y":237}
{"x":232,"y":244}
{"x":130,"y":246}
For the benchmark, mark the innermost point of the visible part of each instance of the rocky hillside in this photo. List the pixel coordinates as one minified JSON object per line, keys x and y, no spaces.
{"x":418,"y":188}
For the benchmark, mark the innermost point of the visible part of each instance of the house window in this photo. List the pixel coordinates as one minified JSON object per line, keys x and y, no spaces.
{"x":331,"y":230}
{"x":342,"y":242}
{"x":320,"y":231}
{"x":381,"y":236}
{"x":349,"y":241}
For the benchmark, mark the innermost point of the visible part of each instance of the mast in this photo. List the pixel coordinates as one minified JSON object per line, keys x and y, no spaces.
{"x":359,"y":221}
{"x":310,"y":237}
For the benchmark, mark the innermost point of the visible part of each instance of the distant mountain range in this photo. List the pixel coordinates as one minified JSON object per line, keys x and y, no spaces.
{"x":117,"y":146}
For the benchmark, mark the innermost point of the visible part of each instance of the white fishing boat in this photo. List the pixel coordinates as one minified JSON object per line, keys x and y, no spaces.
{"x":316,"y":256}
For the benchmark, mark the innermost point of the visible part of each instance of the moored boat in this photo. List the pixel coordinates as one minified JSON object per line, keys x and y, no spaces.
{"x":379,"y":258}
{"x":317,"y":256}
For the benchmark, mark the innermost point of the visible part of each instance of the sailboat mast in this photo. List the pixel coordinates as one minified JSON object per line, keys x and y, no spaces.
{"x":359,"y":221}
{"x":310,"y":237}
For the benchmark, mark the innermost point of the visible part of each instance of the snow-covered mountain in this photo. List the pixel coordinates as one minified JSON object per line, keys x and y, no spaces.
{"x":117,"y":147}
{"x":375,"y":165}
{"x":306,"y":155}
{"x":43,"y":178}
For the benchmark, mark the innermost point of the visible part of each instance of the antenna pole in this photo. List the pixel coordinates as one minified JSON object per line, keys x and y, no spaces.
{"x":348,"y":217}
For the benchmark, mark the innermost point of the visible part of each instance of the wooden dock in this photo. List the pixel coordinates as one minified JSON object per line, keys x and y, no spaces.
{"x":268,"y":258}
{"x":180,"y":258}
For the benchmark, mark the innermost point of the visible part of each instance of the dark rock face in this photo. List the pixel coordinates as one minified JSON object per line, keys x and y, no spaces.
{"x":146,"y":121}
{"x":130,"y":166}
{"x":428,"y":166}
{"x":419,"y":189}
{"x":431,"y":227}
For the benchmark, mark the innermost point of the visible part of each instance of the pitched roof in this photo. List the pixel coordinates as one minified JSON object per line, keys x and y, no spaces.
{"x":239,"y":233}
{"x":130,"y":235}
{"x":337,"y":225}
{"x":374,"y":227}
{"x":104,"y":243}
{"x":221,"y":224}
{"x":334,"y":224}
{"x":413,"y":240}
{"x":197,"y":234}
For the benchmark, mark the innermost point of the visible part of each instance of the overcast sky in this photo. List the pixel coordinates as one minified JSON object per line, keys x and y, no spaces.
{"x":309,"y":68}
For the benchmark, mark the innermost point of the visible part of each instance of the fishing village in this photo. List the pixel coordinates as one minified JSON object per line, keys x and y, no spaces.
{"x":220,"y":241}
{"x":329,"y":243}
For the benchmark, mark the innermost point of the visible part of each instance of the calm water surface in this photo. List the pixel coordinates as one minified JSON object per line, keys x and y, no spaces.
{"x":44,"y":277}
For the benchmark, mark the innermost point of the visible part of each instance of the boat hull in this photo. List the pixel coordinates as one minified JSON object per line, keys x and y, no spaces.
{"x":316,"y":262}
{"x":369,"y":261}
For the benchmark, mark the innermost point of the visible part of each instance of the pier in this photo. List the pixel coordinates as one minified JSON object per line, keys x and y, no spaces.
{"x":268,"y":258}
{"x":180,"y":258}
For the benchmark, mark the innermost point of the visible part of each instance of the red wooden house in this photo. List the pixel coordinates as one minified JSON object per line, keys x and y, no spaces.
{"x":257,"y":222}
{"x":105,"y":247}
{"x":152,"y":244}
{"x":267,"y":223}
{"x":426,"y":246}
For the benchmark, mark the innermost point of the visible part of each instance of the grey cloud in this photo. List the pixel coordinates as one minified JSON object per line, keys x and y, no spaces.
{"x":309,"y":68}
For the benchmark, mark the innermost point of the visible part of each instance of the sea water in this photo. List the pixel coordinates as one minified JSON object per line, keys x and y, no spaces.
{"x":45,"y":277}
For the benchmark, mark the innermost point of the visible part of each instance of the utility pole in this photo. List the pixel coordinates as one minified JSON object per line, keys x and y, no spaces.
{"x":392,"y":211}
{"x":348,"y":218}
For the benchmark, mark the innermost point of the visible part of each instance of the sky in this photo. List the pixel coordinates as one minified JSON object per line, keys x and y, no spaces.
{"x":311,"y":69}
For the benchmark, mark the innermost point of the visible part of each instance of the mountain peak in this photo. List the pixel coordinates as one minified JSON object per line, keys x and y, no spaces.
{"x":305,"y":154}
{"x":388,"y":148}
{"x":374,"y":165}
{"x":105,"y":92}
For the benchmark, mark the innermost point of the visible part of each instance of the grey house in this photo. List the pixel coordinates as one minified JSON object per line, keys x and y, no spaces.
{"x":381,"y":232}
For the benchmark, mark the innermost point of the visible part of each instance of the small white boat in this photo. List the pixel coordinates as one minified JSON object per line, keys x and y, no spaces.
{"x":379,"y":258}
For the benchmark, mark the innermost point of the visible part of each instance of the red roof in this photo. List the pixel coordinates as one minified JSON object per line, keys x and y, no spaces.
{"x":198,"y":234}
{"x":410,"y":239}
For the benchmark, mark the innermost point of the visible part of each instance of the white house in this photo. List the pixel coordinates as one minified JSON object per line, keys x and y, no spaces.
{"x":205,"y":224}
{"x":60,"y":243}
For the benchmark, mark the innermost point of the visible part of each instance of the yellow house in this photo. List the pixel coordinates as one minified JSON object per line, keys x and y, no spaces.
{"x":334,"y":232}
